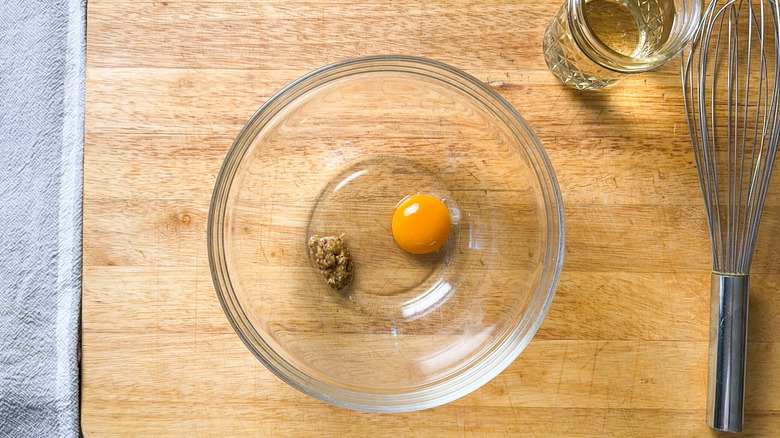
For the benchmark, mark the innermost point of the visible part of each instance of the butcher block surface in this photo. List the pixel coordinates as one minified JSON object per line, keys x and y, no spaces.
{"x":623,"y":349}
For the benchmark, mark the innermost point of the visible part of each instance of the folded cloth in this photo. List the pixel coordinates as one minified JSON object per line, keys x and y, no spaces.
{"x":42,"y":52}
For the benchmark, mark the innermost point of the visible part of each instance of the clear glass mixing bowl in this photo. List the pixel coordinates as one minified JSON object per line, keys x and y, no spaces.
{"x":334,"y":152}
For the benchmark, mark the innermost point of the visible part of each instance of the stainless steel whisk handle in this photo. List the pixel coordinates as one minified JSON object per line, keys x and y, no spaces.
{"x":728,"y":347}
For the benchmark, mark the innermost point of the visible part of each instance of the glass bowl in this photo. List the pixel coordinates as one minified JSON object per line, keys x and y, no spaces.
{"x":333,"y":153}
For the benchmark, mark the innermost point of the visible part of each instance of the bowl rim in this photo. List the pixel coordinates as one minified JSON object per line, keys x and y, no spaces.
{"x":475,"y":375}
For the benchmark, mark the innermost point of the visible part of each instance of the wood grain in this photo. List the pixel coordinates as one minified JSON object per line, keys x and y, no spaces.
{"x":623,"y":349}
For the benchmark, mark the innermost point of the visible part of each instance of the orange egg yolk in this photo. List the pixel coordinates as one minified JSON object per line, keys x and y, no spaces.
{"x":421,"y":224}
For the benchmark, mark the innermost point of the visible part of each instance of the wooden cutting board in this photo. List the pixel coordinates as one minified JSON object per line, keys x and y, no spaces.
{"x":623,"y":349}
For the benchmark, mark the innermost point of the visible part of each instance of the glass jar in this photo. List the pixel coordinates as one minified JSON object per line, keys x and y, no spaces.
{"x":590,"y":44}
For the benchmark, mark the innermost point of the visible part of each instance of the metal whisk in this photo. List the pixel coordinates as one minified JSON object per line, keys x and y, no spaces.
{"x":731,"y":80}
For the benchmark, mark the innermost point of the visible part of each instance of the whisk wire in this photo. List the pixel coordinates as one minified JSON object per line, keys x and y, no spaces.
{"x":731,"y":152}
{"x":711,"y":176}
{"x":743,"y":261}
{"x":767,"y":143}
{"x":740,"y":258}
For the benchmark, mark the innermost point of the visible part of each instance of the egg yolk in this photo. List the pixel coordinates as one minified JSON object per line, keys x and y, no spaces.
{"x":421,"y":224}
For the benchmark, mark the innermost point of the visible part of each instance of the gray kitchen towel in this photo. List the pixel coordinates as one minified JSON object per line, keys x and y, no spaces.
{"x":42,"y":53}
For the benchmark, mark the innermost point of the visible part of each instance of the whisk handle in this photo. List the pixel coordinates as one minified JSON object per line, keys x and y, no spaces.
{"x":728,"y":345}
